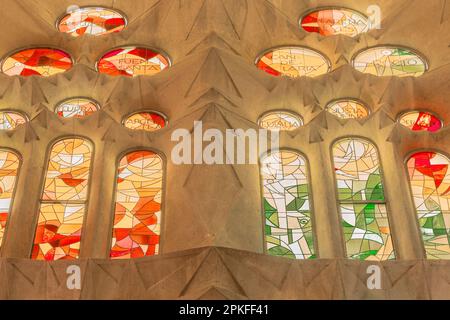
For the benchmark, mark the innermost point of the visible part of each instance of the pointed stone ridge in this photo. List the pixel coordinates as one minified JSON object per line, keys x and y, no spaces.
{"x":213,"y":114}
{"x":321,"y":119}
{"x":213,"y":40}
{"x":384,"y":120}
{"x":103,"y":117}
{"x":395,"y":135}
{"x":113,"y":135}
{"x":221,"y":22}
{"x":213,"y":271}
{"x":314,"y":134}
{"x":30,"y":133}
{"x":14,"y":90}
{"x":213,"y":95}
{"x":213,"y":71}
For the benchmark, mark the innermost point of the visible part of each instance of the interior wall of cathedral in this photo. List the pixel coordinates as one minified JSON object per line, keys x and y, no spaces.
{"x":212,"y":240}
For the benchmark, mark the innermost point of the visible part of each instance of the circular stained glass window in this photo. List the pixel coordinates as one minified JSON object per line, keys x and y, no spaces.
{"x":44,"y":62}
{"x":390,"y":61}
{"x":293,"y":62}
{"x":280,"y":120}
{"x":77,"y":108}
{"x":10,"y":120}
{"x":133,"y":61}
{"x":420,"y":121}
{"x":145,"y":120}
{"x":334,"y":21}
{"x":95,"y":21}
{"x":348,"y":109}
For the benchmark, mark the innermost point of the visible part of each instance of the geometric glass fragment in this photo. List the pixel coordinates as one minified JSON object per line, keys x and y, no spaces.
{"x":10,"y":120}
{"x":293,"y":62}
{"x":429,"y":176}
{"x":145,"y":120}
{"x":348,"y":109}
{"x":287,"y":207}
{"x":43,"y":62}
{"x":329,"y":22}
{"x":362,"y":203}
{"x":77,"y":108}
{"x":9,"y":167}
{"x":420,"y":121}
{"x":132,"y":61}
{"x":137,"y":214}
{"x":280,"y":120}
{"x":63,"y":202}
{"x":94,"y":21}
{"x":390,"y":61}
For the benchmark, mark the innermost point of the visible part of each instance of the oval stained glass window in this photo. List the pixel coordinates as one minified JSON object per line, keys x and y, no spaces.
{"x":390,"y":61}
{"x":10,"y":120}
{"x":420,"y":121}
{"x":43,"y":62}
{"x":146,"y":120}
{"x":77,"y":108}
{"x":95,"y":21}
{"x":280,"y":120}
{"x":334,"y":21}
{"x":132,"y":61}
{"x":293,"y":62}
{"x":348,"y":109}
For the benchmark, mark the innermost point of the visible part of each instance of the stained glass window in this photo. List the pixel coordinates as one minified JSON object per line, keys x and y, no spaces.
{"x":390,"y":61}
{"x":9,"y":167}
{"x":95,"y":21}
{"x":137,"y":215}
{"x":77,"y":108}
{"x":37,"y":61}
{"x":287,"y":208}
{"x":146,"y":120}
{"x":430,"y":182}
{"x":420,"y":121}
{"x":361,"y":199}
{"x":280,"y":120}
{"x":132,"y":61}
{"x":293,"y":62}
{"x":10,"y":120}
{"x":348,"y":109}
{"x":328,"y":22}
{"x":63,"y":202}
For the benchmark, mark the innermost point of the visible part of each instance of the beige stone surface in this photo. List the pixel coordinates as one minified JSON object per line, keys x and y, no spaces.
{"x":212,"y":237}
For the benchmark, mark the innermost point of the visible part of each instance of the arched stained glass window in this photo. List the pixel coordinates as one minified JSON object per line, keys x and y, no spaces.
{"x":133,"y":61}
{"x":361,"y":199}
{"x":145,"y":120}
{"x":348,"y":109}
{"x":63,"y":202}
{"x":10,"y":120}
{"x":96,"y":21}
{"x":287,"y":208}
{"x":390,"y":61}
{"x":429,"y":176}
{"x":77,"y":108}
{"x":9,"y":167}
{"x":293,"y":62}
{"x":43,"y":62}
{"x":280,"y":120}
{"x":333,"y":21}
{"x":137,"y":215}
{"x":420,"y":121}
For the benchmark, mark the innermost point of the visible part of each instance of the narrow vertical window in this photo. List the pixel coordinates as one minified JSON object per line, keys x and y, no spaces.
{"x":137,"y":215}
{"x":288,"y":216}
{"x":362,"y":202}
{"x":63,"y":201}
{"x":429,"y":176}
{"x":9,"y":166}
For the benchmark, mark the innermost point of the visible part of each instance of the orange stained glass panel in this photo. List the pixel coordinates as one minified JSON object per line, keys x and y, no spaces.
{"x":9,"y":166}
{"x":63,"y":203}
{"x":37,"y":61}
{"x":137,"y":213}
